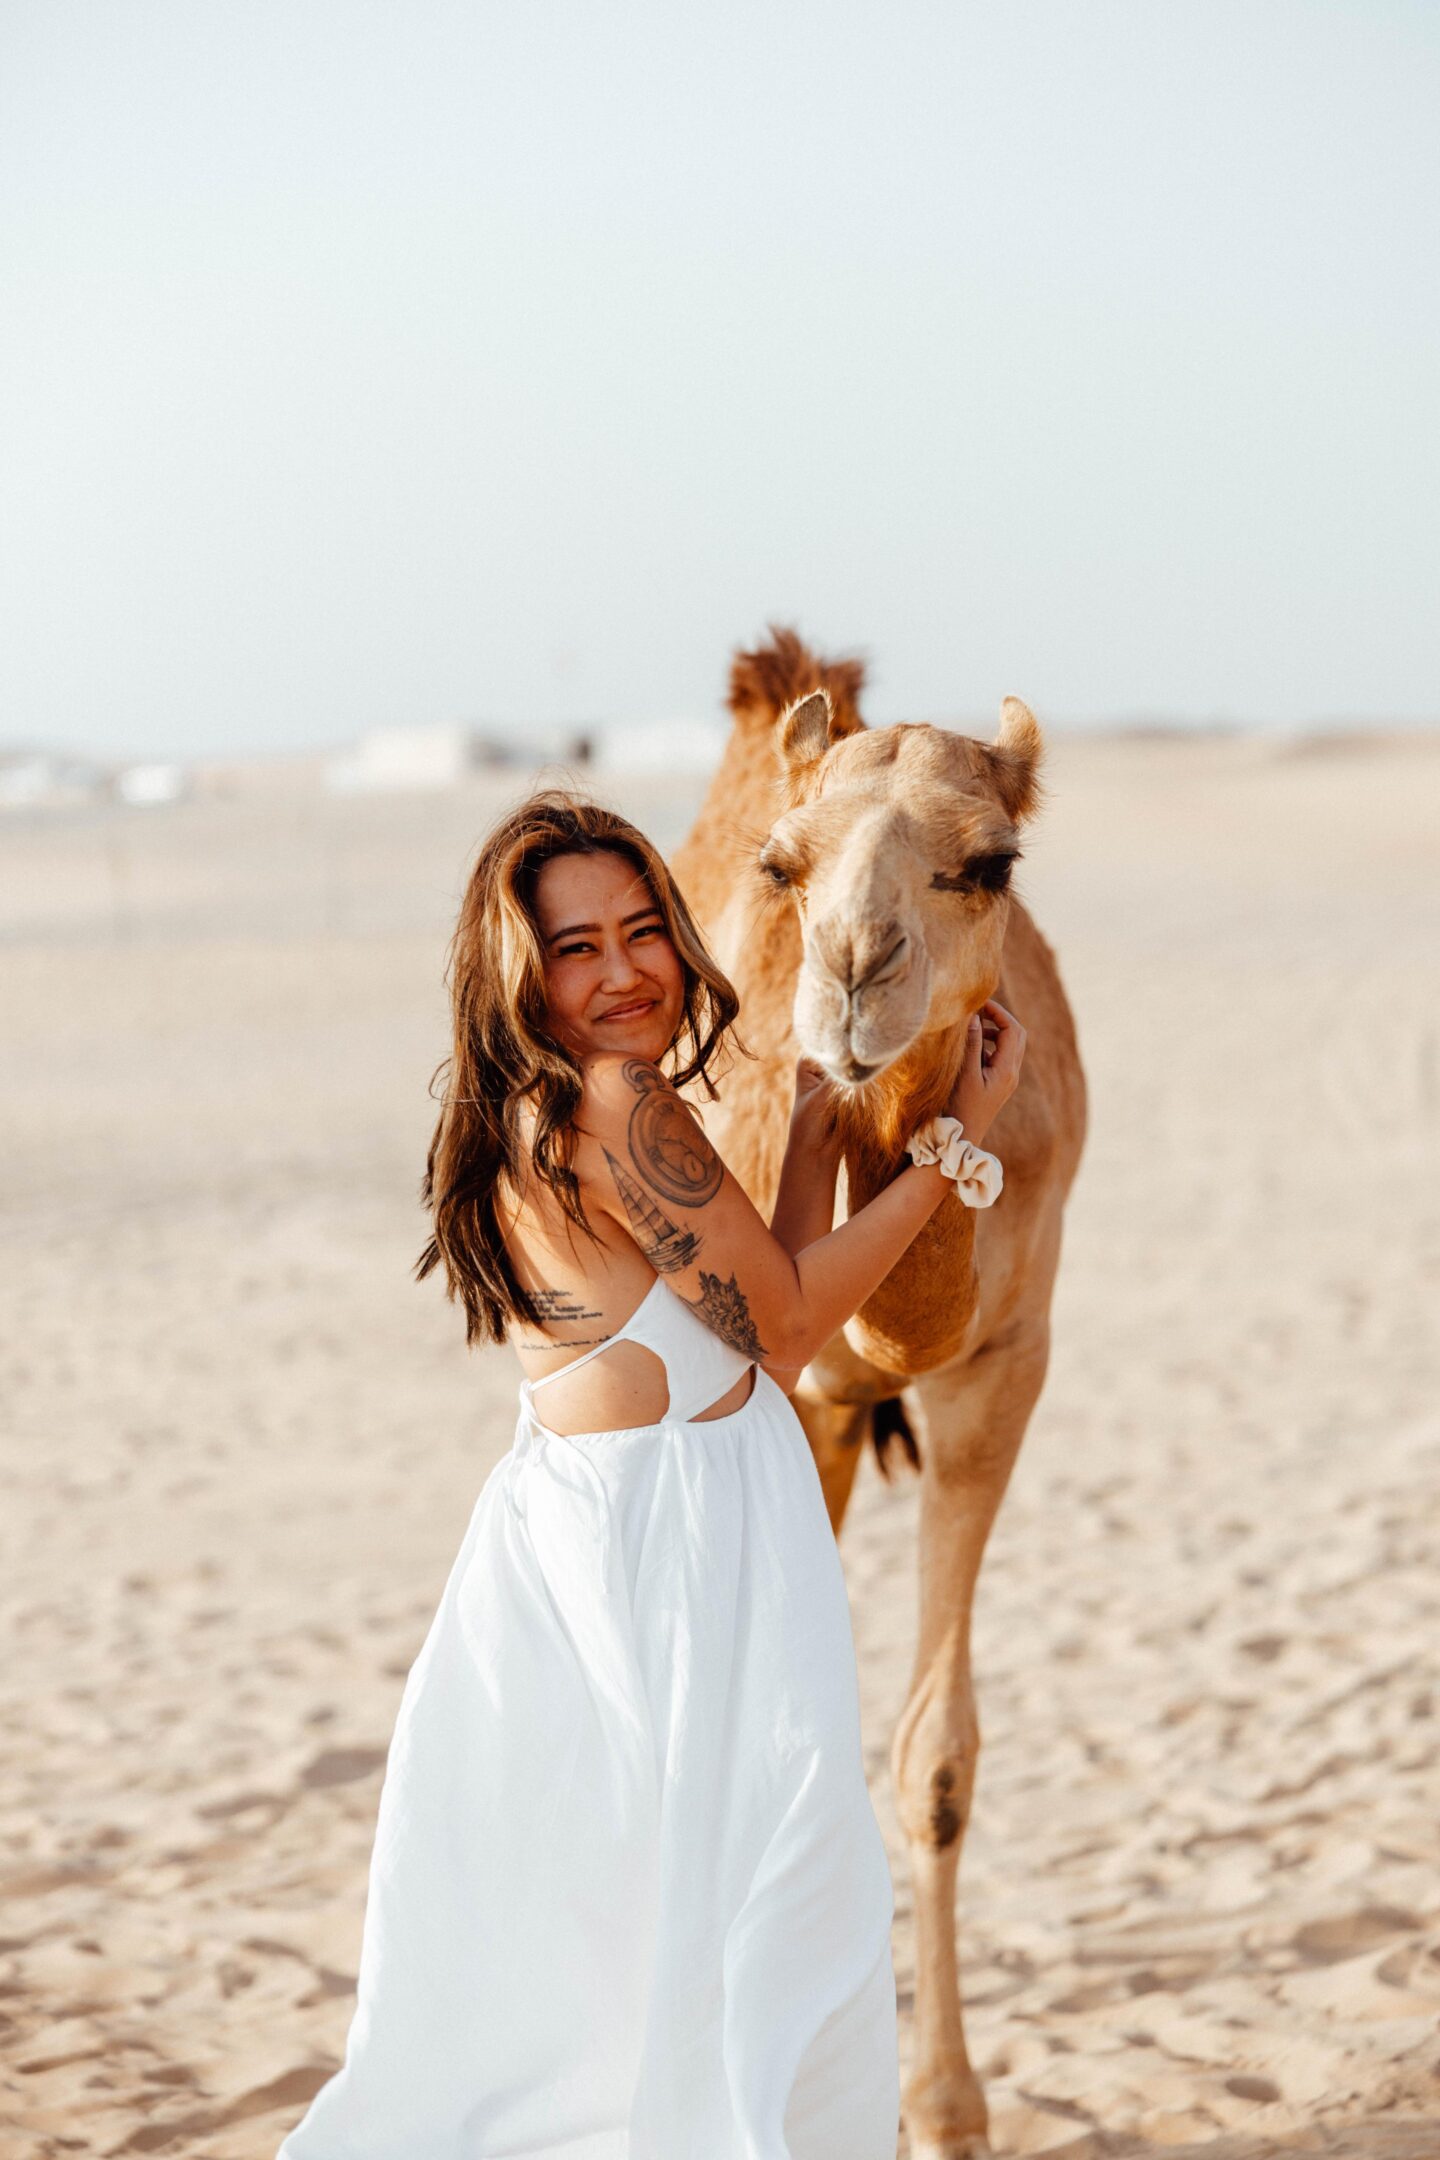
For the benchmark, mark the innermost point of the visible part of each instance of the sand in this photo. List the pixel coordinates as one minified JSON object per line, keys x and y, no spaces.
{"x":1201,"y":1895}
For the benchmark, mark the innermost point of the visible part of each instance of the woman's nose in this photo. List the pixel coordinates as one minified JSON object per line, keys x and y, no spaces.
{"x":620,"y":965}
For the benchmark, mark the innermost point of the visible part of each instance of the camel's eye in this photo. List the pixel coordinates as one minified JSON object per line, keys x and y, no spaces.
{"x":774,"y":871}
{"x":983,"y":873}
{"x":992,"y":872}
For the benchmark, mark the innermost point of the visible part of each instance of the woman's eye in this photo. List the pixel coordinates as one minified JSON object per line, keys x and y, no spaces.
{"x":564,"y":952}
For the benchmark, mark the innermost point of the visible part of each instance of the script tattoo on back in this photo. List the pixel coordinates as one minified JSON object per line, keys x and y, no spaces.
{"x":562,"y":1308}
{"x":667,"y":1146}
{"x":555,"y":1305}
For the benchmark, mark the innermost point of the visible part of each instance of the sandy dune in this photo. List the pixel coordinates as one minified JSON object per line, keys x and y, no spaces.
{"x":1201,"y":1895}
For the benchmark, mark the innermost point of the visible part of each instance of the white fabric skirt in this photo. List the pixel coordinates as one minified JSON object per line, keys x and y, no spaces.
{"x":628,"y":1898}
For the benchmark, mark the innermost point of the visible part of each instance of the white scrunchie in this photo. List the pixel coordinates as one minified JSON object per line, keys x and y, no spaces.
{"x":977,"y":1176}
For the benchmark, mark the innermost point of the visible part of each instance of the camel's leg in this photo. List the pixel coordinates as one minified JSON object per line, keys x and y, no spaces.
{"x":972,"y":1422}
{"x":833,"y":1398}
{"x":837,"y":1432}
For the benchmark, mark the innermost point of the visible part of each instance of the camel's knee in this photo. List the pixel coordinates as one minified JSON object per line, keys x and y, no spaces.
{"x":934,"y":1785}
{"x":947,"y":1804}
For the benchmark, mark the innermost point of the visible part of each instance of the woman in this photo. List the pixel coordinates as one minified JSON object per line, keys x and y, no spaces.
{"x":628,"y":1898}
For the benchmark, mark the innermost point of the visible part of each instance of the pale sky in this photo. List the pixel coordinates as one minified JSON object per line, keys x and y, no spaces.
{"x":373,"y":364}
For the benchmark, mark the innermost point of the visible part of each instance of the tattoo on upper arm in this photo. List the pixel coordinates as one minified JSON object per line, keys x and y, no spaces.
{"x":667,"y":1144}
{"x":723,"y":1308}
{"x":665,"y":1245}
{"x":669,"y":1148}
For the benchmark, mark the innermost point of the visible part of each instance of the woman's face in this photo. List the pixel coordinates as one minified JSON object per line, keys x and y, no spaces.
{"x":613,"y":979}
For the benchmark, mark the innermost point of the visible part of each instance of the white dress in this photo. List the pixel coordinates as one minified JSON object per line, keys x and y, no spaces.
{"x":628,"y":1898}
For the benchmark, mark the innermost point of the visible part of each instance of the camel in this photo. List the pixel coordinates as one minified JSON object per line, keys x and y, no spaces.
{"x":854,"y":883}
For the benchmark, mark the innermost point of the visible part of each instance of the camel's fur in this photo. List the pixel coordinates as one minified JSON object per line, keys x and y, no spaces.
{"x":866,"y":819}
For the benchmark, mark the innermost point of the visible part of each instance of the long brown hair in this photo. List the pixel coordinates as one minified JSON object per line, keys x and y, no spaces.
{"x":495,"y":970}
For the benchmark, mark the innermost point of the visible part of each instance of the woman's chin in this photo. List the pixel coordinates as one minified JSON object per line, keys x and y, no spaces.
{"x":646,"y":1036}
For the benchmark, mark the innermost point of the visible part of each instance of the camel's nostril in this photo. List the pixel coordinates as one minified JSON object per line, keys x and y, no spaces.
{"x":882,"y":969}
{"x":889,"y":962}
{"x":854,"y":959}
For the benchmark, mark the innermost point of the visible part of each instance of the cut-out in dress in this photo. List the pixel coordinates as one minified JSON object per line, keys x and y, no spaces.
{"x":628,"y":1897}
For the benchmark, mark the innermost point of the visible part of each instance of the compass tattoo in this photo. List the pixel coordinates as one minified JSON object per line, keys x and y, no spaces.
{"x":667,"y":1145}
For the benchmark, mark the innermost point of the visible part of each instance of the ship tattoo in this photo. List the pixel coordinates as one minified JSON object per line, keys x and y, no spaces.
{"x":665,"y":1245}
{"x":667,"y":1144}
{"x":724,"y":1311}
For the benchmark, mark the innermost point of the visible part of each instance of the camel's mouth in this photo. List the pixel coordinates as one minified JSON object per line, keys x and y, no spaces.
{"x":861,"y":1001}
{"x":853,"y":1073}
{"x":830,"y":1038}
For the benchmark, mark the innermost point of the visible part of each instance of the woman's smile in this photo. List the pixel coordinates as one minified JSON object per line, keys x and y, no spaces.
{"x":632,"y":1011}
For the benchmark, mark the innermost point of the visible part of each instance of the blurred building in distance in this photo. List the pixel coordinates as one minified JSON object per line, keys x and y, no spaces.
{"x":158,"y":781}
{"x":391,"y":758}
{"x":32,"y":779}
{"x":681,"y":746}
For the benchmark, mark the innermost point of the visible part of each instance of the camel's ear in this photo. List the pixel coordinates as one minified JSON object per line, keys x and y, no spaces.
{"x":807,"y":729}
{"x":1016,"y":757}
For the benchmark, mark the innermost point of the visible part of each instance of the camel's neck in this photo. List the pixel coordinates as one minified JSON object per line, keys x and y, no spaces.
{"x":916,"y":1087}
{"x":921,"y":1313}
{"x":744,"y":786}
{"x":739,"y":805}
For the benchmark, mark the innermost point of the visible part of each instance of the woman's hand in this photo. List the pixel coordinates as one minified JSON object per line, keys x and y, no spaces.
{"x":811,"y":1112}
{"x":994,"y":1048}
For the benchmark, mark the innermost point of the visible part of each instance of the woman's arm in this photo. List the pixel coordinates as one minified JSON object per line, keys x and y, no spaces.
{"x":644,"y":1159}
{"x":804,"y":1207}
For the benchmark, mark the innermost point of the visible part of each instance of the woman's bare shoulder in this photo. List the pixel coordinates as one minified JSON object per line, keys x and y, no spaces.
{"x":580,"y":1290}
{"x":624,"y":1095}
{"x":613,"y":1079}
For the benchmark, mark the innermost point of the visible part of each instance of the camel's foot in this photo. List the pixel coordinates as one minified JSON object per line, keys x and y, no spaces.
{"x":945,"y":2116}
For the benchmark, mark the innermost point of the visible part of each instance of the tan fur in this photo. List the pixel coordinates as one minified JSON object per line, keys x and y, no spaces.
{"x":962,"y":1323}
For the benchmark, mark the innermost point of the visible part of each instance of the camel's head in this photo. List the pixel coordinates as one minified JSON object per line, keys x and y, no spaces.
{"x":896,"y":844}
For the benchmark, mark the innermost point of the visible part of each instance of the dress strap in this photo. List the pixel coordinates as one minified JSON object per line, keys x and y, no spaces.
{"x":575,"y":1362}
{"x":621,"y":1334}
